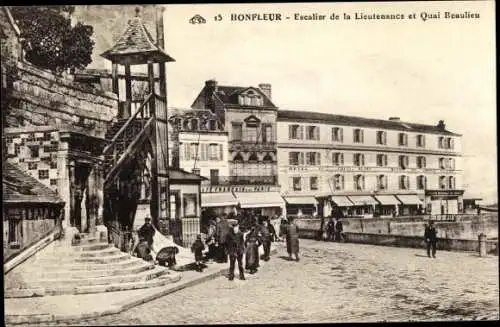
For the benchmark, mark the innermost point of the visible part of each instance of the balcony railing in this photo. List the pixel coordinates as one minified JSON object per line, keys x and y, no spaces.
{"x":242,"y":180}
{"x":252,"y":146}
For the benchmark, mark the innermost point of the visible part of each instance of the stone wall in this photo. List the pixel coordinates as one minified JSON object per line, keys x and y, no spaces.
{"x":41,"y":98}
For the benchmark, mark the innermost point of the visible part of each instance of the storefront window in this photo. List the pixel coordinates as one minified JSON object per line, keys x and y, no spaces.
{"x":190,"y":205}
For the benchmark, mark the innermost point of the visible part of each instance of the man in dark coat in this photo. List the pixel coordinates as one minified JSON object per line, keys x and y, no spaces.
{"x":430,"y":236}
{"x":221,"y":231}
{"x":235,"y":249}
{"x":339,"y":230}
{"x":330,"y":230}
{"x":292,"y":239}
{"x":266,"y":238}
{"x":147,"y":231}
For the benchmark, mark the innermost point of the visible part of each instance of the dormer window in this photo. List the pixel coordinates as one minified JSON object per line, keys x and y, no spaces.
{"x":212,"y":125}
{"x":194,"y":124}
{"x":250,"y":98}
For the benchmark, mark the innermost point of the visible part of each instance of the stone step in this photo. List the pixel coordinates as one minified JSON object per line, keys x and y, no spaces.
{"x":168,"y":278}
{"x":92,"y":247}
{"x":80,"y":274}
{"x":73,"y":266}
{"x":106,"y":280}
{"x":97,"y":253}
{"x":66,"y":257}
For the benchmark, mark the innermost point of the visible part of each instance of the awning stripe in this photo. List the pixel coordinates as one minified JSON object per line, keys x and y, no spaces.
{"x":304,"y":200}
{"x":341,"y":201}
{"x":259,"y":199}
{"x":362,"y":200}
{"x":409,"y":199}
{"x":218,"y":200}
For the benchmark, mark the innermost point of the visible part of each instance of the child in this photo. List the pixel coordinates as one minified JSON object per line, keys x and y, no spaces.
{"x":197,"y":248}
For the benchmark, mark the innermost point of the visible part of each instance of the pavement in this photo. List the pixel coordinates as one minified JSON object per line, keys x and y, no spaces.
{"x":333,"y":282}
{"x":53,"y":309}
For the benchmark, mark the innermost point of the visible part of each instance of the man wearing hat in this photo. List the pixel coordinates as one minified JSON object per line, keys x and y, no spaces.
{"x":235,"y":249}
{"x":430,"y":236}
{"x":147,"y":231}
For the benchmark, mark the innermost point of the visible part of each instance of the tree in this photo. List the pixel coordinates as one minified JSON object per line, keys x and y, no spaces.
{"x":50,"y":41}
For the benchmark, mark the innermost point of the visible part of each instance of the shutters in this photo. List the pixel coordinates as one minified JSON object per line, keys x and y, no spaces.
{"x":318,"y":158}
{"x":301,"y":132}
{"x":452,"y":143}
{"x":342,"y":159}
{"x":290,"y":158}
{"x":384,"y":137}
{"x":316,"y":132}
{"x":203,"y":151}
{"x":181,"y":149}
{"x":362,"y":159}
{"x":355,"y":182}
{"x":290,"y":132}
{"x":342,"y":180}
{"x":385,"y":182}
{"x":407,"y":182}
{"x":423,"y":141}
{"x":362,"y":135}
{"x":385,"y":160}
{"x":221,"y":153}
{"x":341,"y":133}
{"x":362,"y":182}
{"x":301,"y":158}
{"x":187,"y":151}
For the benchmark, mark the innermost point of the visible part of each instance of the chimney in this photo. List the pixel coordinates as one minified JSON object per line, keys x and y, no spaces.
{"x":394,"y":119}
{"x":196,"y":171}
{"x":441,"y":125}
{"x":160,"y":42}
{"x":266,"y":89}
{"x":210,"y":90}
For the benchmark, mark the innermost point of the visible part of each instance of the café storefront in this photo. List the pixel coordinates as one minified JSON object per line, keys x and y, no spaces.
{"x":444,"y":202}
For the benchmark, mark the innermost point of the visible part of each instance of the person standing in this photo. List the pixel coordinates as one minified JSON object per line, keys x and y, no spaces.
{"x":211,"y":240}
{"x":147,"y":231}
{"x":266,"y":238}
{"x":222,"y":229}
{"x":235,"y":249}
{"x":430,"y":236}
{"x":339,"y":230}
{"x":197,"y":248}
{"x":252,"y":243}
{"x":330,"y":230}
{"x":292,"y":239}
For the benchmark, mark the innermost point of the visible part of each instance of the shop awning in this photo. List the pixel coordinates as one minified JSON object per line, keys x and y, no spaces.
{"x":259,"y":199}
{"x":218,"y":199}
{"x":362,"y":200}
{"x":301,"y":200}
{"x":387,"y":200}
{"x":409,"y":199}
{"x":341,"y":201}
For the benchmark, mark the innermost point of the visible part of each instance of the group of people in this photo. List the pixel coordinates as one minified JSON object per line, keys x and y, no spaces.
{"x":334,"y":230}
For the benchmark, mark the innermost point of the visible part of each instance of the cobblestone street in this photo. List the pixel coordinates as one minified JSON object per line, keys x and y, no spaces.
{"x":335,"y":283}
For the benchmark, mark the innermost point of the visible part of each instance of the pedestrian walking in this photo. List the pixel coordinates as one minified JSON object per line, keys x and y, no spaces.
{"x":292,"y":239}
{"x":330,"y":230}
{"x":266,"y":239}
{"x":283,"y":225}
{"x":252,"y":243}
{"x":197,"y":248}
{"x":211,"y":240}
{"x":430,"y":236}
{"x":235,"y":250}
{"x":275,"y":224}
{"x":339,"y":230}
{"x":222,"y":230}
{"x":147,"y":231}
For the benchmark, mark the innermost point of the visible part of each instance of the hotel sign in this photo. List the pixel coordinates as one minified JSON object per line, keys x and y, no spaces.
{"x":240,"y":189}
{"x":444,"y":192}
{"x":360,"y":169}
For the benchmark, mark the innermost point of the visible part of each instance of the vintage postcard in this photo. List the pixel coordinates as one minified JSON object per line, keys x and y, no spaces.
{"x":178,"y":164}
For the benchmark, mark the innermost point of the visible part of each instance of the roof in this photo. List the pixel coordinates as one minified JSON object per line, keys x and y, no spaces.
{"x":316,"y":117}
{"x":179,"y":174}
{"x":229,"y":95}
{"x":136,"y":46}
{"x":19,"y":187}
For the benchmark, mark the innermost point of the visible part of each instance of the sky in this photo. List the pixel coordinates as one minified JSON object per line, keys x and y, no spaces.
{"x":420,"y":71}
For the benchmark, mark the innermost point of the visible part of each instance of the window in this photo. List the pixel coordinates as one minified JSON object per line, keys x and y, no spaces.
{"x":296,"y":183}
{"x":313,"y":158}
{"x":337,"y":134}
{"x":359,"y":182}
{"x":404,"y":182}
{"x":337,"y":158}
{"x":338,"y":182}
{"x":312,"y":132}
{"x":14,"y":227}
{"x":359,"y":159}
{"x":213,"y":152}
{"x":441,"y":144}
{"x":237,"y":133}
{"x":194,"y":151}
{"x":421,"y":141}
{"x":381,"y":160}
{"x":43,"y":174}
{"x":382,"y":182}
{"x":404,"y":162}
{"x":313,"y":183}
{"x":403,"y":139}
{"x":267,"y":134}
{"x":251,"y":134}
{"x":451,"y":163}
{"x":442,"y":182}
{"x":421,"y":182}
{"x":451,"y":182}
{"x":212,"y":125}
{"x":53,"y":164}
{"x":53,"y":182}
{"x":381,"y":137}
{"x":293,"y":158}
{"x":295,"y":132}
{"x":190,"y":202}
{"x":358,"y":136}
{"x":17,"y":149}
{"x":214,"y":176}
{"x":32,"y":165}
{"x":442,"y":163}
{"x":421,"y":162}
{"x":34,"y":151}
{"x":449,"y":143}
{"x":194,"y":124}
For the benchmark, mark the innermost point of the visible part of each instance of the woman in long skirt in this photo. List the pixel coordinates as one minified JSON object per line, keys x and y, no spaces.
{"x":252,"y":244}
{"x":292,"y":240}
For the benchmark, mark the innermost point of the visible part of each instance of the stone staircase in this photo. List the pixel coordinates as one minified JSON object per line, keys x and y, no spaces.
{"x":92,"y":266}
